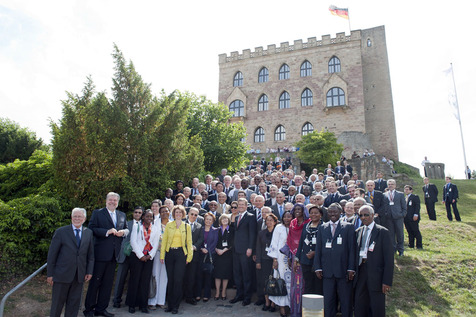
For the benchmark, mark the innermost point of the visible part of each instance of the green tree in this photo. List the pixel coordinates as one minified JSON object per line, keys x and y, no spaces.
{"x":134,"y":143}
{"x":220,"y":140}
{"x":319,"y":149}
{"x":16,"y":142}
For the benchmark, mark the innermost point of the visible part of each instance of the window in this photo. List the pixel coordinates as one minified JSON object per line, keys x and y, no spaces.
{"x":306,"y":97}
{"x":238,"y":80}
{"x":263,"y":75}
{"x":259,"y":135}
{"x":280,"y":133}
{"x":306,"y":69}
{"x":263,"y":103}
{"x":369,"y":42}
{"x":284,"y":72}
{"x":238,"y":108}
{"x":284,"y":100}
{"x":334,"y":65}
{"x":307,"y":128}
{"x":335,"y":97}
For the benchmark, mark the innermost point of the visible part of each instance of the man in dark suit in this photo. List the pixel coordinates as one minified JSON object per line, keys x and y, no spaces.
{"x":396,"y":206}
{"x":339,"y":169}
{"x":333,"y":196}
{"x":412,"y":218}
{"x":123,"y":261}
{"x":245,"y":238}
{"x":109,"y":227}
{"x":374,"y":257}
{"x":348,"y":168}
{"x":70,"y":264}
{"x":450,"y":197}
{"x":380,"y":183}
{"x":191,"y":273}
{"x":375,"y":197}
{"x":278,"y":208}
{"x":334,"y":261}
{"x":431,"y":197}
{"x":213,"y":206}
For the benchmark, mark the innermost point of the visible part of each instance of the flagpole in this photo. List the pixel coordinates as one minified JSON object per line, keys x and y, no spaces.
{"x":459,"y":119}
{"x":348,"y":16}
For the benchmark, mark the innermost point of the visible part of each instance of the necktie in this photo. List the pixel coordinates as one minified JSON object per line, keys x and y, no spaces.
{"x":280,"y":211}
{"x":363,"y":242}
{"x":333,"y":228}
{"x":78,"y":238}
{"x":371,"y":198}
{"x":113,"y":217}
{"x":239,"y":219}
{"x":258,"y":214}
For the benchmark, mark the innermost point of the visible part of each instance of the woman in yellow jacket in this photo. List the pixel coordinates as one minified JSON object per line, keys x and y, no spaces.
{"x":177,"y":252}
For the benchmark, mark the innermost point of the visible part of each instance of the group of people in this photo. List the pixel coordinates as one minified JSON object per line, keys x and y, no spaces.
{"x":329,"y":234}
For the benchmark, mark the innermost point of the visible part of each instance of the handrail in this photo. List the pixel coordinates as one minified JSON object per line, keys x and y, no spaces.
{"x":4,"y":299}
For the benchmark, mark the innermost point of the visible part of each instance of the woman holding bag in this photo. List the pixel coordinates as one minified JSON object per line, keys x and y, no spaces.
{"x":207,"y":253}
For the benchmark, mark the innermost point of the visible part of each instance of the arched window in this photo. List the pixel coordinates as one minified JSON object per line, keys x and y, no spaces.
{"x":284,"y":100}
{"x":238,"y":79}
{"x":280,"y":133}
{"x":238,"y":108}
{"x":335,"y":97}
{"x":263,"y":103}
{"x":334,"y":65}
{"x":307,"y":128}
{"x":263,"y":76}
{"x":306,"y":97}
{"x":259,"y":135}
{"x":306,"y":69}
{"x":284,"y":72}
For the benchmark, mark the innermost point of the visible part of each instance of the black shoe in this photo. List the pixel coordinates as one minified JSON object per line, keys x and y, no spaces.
{"x":246,"y":302}
{"x":272,"y":309}
{"x":259,"y":302}
{"x":265,"y":308}
{"x":174,"y":311}
{"x":411,"y":247}
{"x":223,"y":297}
{"x":103,"y":313}
{"x":191,"y":301}
{"x":132,"y":310}
{"x":236,"y":300}
{"x":400,"y":253}
{"x":116,"y":305}
{"x":88,"y":313}
{"x":168,"y":310}
{"x":145,"y":310}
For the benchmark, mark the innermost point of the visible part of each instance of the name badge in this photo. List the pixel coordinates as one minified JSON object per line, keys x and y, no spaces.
{"x":328,"y":245}
{"x":410,"y":203}
{"x":372,"y":246}
{"x":314,"y":240}
{"x":450,"y":189}
{"x":339,"y":240}
{"x":363,"y":254}
{"x":306,"y":241}
{"x":267,"y":249}
{"x":224,"y":243}
{"x":205,"y":245}
{"x":392,"y":203}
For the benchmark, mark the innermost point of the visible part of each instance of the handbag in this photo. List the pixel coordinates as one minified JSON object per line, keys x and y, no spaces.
{"x":127,"y":245}
{"x":207,"y":267}
{"x":153,"y":287}
{"x":275,"y":286}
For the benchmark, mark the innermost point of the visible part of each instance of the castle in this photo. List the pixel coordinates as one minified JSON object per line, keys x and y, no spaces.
{"x":339,"y":84}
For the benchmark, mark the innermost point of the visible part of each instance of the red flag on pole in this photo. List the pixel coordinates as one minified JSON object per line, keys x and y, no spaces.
{"x":341,"y":12}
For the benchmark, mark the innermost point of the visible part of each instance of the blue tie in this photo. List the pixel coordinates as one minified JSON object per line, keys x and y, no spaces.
{"x":78,"y":238}
{"x":280,"y":211}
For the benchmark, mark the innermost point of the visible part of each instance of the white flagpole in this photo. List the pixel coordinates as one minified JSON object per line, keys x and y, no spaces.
{"x":459,"y":118}
{"x":348,"y":16}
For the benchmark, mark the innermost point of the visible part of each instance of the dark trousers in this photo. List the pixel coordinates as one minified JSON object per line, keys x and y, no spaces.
{"x":66,"y":293}
{"x":312,"y":285}
{"x":262,"y":276}
{"x":449,"y":204}
{"x":100,"y":286}
{"x":332,"y":287}
{"x":242,"y":275}
{"x":367,"y":303}
{"x":430,"y":209}
{"x":204,"y":280}
{"x":139,"y":282}
{"x":122,"y":271}
{"x":191,"y":277}
{"x":175,"y":263}
{"x":413,"y":231}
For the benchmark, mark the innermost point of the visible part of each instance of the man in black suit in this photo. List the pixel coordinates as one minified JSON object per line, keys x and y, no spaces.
{"x":245,"y":238}
{"x":70,"y":264}
{"x":431,"y":197}
{"x":375,"y":197}
{"x":109,"y":227}
{"x":374,"y":257}
{"x":450,"y":197}
{"x":333,"y":196}
{"x":278,"y":208}
{"x":380,"y":183}
{"x":412,"y":218}
{"x":191,"y":273}
{"x":334,"y":261}
{"x":213,"y":206}
{"x":339,"y":169}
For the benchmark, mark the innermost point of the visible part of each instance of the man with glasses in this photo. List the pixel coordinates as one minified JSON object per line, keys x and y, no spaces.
{"x":191,"y":270}
{"x":374,"y":257}
{"x":213,"y":206}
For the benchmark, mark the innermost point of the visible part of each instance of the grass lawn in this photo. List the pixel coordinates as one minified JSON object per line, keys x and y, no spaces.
{"x":439,"y":280}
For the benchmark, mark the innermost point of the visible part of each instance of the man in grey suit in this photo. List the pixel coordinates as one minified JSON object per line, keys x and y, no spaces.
{"x":191,"y":273}
{"x":70,"y":264}
{"x":396,"y":206}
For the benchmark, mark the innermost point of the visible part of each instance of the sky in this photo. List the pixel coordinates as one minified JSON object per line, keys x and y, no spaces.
{"x":48,"y":48}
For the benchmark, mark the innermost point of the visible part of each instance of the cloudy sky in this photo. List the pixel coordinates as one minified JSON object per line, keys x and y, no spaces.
{"x":49,"y":47}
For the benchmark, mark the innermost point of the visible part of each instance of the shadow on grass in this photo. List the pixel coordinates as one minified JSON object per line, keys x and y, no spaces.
{"x":412,"y":292}
{"x":473,"y":224}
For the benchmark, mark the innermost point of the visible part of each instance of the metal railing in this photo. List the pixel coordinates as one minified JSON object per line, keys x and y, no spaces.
{"x":4,"y":299}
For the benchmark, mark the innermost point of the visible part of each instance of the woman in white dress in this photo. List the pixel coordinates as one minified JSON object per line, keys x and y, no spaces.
{"x":281,"y":261}
{"x":158,"y":270}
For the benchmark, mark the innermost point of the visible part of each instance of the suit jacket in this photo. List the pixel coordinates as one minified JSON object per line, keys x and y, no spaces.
{"x":107,"y":248}
{"x":377,"y":201}
{"x":342,"y":190}
{"x":197,"y":238}
{"x":167,"y":238}
{"x":335,"y":199}
{"x":138,"y":242}
{"x":340,"y":258}
{"x":380,"y":184}
{"x":245,"y":233}
{"x":211,"y":241}
{"x":275,"y":210}
{"x":431,"y":193}
{"x":340,"y":170}
{"x":65,"y":259}
{"x":269,"y":202}
{"x":379,"y":261}
{"x":450,"y":193}
{"x":221,"y":211}
{"x":413,"y":207}
{"x":399,"y":208}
